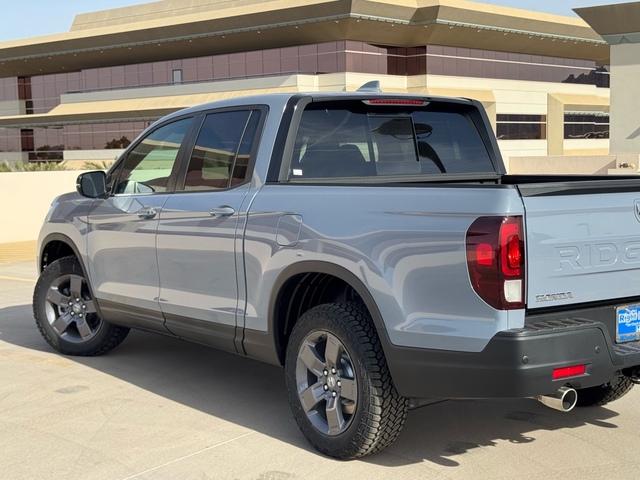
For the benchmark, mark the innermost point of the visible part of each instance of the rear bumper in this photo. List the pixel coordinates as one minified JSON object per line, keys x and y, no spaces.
{"x":515,"y":363}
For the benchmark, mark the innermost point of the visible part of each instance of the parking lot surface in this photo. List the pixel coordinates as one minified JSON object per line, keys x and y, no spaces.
{"x":160,"y":408}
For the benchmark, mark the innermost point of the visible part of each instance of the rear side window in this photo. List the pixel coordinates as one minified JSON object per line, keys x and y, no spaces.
{"x":355,"y":140}
{"x":220,"y":157}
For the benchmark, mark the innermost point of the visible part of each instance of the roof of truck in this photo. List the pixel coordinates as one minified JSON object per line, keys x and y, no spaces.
{"x":277,"y":100}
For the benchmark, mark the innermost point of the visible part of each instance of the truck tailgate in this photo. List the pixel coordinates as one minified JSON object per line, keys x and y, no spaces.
{"x":582,"y":242}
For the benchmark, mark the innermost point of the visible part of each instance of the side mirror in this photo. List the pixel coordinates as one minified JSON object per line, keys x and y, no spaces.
{"x":92,"y":184}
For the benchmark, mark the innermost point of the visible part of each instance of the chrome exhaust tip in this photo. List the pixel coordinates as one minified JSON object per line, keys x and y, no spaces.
{"x":563,"y":400}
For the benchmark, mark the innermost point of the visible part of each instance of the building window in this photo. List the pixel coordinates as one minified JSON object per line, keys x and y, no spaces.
{"x":177,"y":76}
{"x":521,"y":127}
{"x":47,"y":144}
{"x":101,"y":136}
{"x":24,"y":88}
{"x":9,"y":140}
{"x":406,"y":61}
{"x":25,"y":93}
{"x":586,"y":125}
{"x":27,"y":142}
{"x":469,"y":62}
{"x":599,"y":77}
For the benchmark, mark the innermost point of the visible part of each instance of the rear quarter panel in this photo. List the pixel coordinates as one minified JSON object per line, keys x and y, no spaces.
{"x":405,"y":244}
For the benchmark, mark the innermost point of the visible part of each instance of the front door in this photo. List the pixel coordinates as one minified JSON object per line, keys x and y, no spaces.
{"x":121,"y":239}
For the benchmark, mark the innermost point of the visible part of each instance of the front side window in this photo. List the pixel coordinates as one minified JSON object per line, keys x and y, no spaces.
{"x":359,"y":140}
{"x":148,"y":166}
{"x":220,"y":157}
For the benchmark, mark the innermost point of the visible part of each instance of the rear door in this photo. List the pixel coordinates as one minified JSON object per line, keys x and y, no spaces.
{"x":199,"y":242}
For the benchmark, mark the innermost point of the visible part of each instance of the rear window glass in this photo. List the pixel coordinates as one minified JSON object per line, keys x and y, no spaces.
{"x":355,"y":140}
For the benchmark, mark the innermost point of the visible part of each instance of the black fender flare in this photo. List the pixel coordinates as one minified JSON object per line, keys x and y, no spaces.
{"x":59,"y":237}
{"x":314,"y":266}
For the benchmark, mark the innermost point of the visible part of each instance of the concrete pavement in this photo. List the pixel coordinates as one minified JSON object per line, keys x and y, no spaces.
{"x":159,"y":408}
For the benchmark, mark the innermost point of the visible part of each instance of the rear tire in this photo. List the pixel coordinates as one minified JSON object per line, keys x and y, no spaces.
{"x":66,"y":313}
{"x":339,"y":385}
{"x":603,"y":394}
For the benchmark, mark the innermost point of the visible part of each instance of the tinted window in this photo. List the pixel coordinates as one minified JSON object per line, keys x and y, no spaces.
{"x":521,"y":127}
{"x":148,"y":166}
{"x":370,"y":141}
{"x":586,"y":125}
{"x":221,"y":154}
{"x":449,"y":142}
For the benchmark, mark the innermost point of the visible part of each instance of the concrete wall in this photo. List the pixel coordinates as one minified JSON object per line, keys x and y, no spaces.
{"x":562,"y":164}
{"x":77,"y":159}
{"x":25,"y":198}
{"x":108,"y":155}
{"x":627,"y":164}
{"x":522,"y":148}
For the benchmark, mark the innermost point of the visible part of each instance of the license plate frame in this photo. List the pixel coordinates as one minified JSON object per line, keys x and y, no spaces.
{"x":628,"y":323}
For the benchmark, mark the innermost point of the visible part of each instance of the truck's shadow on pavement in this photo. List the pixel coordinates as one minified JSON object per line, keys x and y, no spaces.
{"x":441,"y":432}
{"x":252,"y":394}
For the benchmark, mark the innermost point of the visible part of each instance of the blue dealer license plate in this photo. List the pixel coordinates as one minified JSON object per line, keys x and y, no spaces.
{"x":628,"y":323}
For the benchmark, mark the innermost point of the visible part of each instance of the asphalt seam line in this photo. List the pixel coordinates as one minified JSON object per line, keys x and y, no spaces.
{"x":188,"y":456}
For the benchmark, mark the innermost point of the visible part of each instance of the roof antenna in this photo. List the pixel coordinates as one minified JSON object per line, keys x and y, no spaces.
{"x":373,"y":87}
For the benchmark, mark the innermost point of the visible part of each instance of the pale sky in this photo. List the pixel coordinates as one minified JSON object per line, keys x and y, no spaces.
{"x":559,"y":7}
{"x":32,"y":18}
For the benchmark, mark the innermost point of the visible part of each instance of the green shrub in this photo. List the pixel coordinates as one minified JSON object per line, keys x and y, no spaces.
{"x":32,"y":167}
{"x":104,"y":165}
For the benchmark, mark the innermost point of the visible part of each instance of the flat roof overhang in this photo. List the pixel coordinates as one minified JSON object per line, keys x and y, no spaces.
{"x":617,"y":23}
{"x":440,"y":22}
{"x":582,"y":103}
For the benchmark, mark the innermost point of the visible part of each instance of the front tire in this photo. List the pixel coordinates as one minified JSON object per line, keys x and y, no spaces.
{"x":66,"y":313}
{"x":339,"y":385}
{"x":603,"y":394}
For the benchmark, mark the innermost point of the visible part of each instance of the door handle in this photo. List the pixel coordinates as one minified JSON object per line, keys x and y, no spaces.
{"x":147,"y":213}
{"x":223,"y":211}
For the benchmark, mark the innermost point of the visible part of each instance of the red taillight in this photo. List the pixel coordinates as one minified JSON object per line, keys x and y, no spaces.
{"x":510,"y":247}
{"x":572,"y":371}
{"x":495,"y":258}
{"x":484,"y":253}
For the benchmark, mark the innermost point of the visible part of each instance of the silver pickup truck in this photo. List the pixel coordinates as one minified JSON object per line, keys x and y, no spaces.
{"x":370,"y":243}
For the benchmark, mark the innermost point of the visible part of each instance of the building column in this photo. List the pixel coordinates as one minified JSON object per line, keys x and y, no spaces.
{"x":625,"y":98}
{"x":555,"y":126}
